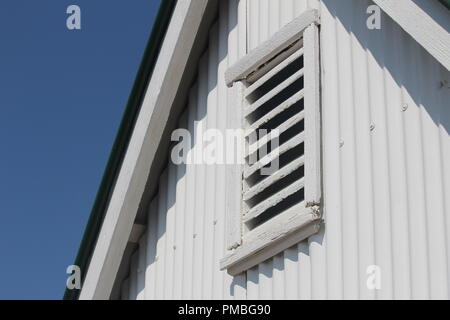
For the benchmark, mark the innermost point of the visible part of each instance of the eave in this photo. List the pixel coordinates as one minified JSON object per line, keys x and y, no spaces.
{"x":121,"y":142}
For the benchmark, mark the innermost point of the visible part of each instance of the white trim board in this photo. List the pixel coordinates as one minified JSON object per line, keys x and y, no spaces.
{"x":313,"y":188}
{"x":271,"y":47}
{"x":428,"y":22}
{"x":301,"y":220}
{"x":285,"y":230}
{"x":144,"y":142}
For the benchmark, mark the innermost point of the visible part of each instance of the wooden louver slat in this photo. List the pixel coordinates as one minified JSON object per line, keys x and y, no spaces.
{"x":280,"y":204}
{"x":275,"y":105}
{"x":250,"y":109}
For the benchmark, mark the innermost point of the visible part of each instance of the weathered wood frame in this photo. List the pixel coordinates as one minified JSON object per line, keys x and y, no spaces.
{"x":302,"y":220}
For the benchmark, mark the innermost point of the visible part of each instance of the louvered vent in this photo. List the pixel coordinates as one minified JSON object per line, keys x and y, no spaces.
{"x":274,"y":100}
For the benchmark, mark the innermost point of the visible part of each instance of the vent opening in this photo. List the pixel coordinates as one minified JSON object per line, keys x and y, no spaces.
{"x":277,"y":186}
{"x":283,"y":160}
{"x":275,"y":102}
{"x":270,"y":213}
{"x":266,"y":147}
{"x":274,"y":81}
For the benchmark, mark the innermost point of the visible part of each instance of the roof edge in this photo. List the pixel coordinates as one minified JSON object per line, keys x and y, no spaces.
{"x":446,"y":3}
{"x":121,"y":141}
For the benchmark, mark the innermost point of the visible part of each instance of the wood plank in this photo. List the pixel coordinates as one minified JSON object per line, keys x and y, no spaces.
{"x":289,"y":123}
{"x":236,"y":49}
{"x":274,"y":200}
{"x":426,"y":21}
{"x":273,"y":113}
{"x":312,"y":117}
{"x":285,"y":230}
{"x":152,"y":239}
{"x":272,"y":93}
{"x":277,"y":176}
{"x":297,"y":54}
{"x":141,"y":268}
{"x":271,"y":47}
{"x":292,"y":143}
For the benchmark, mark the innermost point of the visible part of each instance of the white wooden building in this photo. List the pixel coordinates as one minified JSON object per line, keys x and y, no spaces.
{"x":360,"y":205}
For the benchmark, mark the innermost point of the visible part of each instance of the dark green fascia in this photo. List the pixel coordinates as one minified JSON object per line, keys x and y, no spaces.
{"x":446,"y":3}
{"x":123,"y":137}
{"x":121,"y":142}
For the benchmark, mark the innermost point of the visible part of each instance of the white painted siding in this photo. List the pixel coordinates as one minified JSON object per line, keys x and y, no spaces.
{"x":386,"y":170}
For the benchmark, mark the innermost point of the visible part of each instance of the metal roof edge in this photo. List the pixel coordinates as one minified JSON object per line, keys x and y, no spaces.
{"x":121,"y":142}
{"x":446,"y":3}
{"x":122,"y":139}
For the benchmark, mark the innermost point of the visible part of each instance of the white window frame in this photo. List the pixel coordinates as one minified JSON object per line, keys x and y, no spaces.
{"x":291,"y":226}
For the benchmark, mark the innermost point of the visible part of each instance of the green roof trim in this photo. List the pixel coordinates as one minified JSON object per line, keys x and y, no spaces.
{"x":123,"y":137}
{"x":446,"y":3}
{"x":121,"y":142}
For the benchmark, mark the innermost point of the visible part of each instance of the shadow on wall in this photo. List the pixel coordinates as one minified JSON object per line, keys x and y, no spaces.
{"x":190,"y":223}
{"x":421,"y":76}
{"x":390,"y":51}
{"x":420,"y":91}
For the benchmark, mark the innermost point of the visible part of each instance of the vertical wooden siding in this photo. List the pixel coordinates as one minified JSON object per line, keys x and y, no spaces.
{"x":386,"y":170}
{"x":185,"y":236}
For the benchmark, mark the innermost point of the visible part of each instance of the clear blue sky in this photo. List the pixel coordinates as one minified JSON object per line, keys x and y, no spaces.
{"x":62,"y":95}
